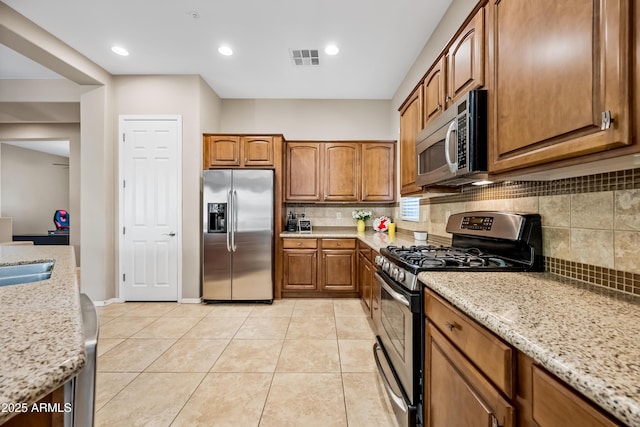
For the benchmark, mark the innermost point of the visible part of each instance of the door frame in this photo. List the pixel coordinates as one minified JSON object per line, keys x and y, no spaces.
{"x":121,"y":214}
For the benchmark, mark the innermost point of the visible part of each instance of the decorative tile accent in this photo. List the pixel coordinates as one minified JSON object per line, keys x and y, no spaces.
{"x":612,"y":181}
{"x":591,"y":224}
{"x":619,"y":280}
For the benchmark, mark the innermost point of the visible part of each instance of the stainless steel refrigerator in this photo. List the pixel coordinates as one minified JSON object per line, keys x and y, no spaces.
{"x":237,"y":235}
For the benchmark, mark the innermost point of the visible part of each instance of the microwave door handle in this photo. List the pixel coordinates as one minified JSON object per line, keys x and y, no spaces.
{"x":453,"y":167}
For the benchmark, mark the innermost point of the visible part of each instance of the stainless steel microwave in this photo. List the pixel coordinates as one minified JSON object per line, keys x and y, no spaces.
{"x":452,"y":149}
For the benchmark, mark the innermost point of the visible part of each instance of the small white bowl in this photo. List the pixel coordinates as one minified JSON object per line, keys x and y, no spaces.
{"x":420,"y":235}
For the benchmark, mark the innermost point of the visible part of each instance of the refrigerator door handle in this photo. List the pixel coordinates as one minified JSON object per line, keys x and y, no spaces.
{"x":234,"y":227}
{"x":229,"y":213}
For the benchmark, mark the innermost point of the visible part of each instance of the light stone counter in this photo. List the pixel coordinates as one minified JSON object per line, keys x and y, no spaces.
{"x":587,"y":336}
{"x":41,"y":338}
{"x":375,"y":240}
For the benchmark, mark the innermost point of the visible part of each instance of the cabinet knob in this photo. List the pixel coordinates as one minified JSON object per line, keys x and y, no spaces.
{"x":299,"y":243}
{"x":439,"y":107}
{"x":451,"y":325}
{"x":339,"y":244}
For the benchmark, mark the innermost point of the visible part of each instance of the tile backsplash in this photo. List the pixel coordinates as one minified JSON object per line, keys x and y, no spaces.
{"x":337,"y":215}
{"x":590,"y":224}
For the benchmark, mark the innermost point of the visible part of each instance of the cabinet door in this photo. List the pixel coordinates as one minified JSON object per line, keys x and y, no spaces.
{"x":257,"y":150}
{"x":465,"y":60}
{"x":457,"y":395}
{"x":411,"y":122}
{"x":365,"y":278}
{"x":341,"y":177}
{"x":338,"y":270}
{"x":434,"y":91}
{"x":555,"y":405}
{"x":300,"y":269}
{"x":378,"y":172}
{"x":303,"y":171}
{"x":222,"y":151}
{"x":557,"y":67}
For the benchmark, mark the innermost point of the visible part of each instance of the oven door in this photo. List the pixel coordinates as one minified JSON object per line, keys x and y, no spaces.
{"x":398,"y":330}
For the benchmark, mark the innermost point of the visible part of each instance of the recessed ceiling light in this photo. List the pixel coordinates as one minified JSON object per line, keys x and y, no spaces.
{"x":225,"y":50}
{"x":119,"y":50}
{"x":331,"y":49}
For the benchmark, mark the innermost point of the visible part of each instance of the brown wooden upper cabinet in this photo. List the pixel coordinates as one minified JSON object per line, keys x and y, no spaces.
{"x":411,"y":121}
{"x":302,"y":178}
{"x":560,"y":77}
{"x":466,"y":60}
{"x":459,"y":69}
{"x":341,"y":172}
{"x":238,"y":151}
{"x":345,"y":171}
{"x":378,"y":172}
{"x":434,"y":91}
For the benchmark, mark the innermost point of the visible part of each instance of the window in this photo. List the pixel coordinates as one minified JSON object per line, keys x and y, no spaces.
{"x":410,"y":208}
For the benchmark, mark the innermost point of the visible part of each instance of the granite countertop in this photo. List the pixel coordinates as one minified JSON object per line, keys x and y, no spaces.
{"x":374,"y":239}
{"x":41,"y":338}
{"x":586,"y":335}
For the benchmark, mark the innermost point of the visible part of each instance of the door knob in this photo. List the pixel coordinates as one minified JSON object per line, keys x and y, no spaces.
{"x":169,"y":234}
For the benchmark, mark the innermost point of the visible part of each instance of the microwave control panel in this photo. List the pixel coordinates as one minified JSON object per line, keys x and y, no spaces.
{"x":462,"y":141}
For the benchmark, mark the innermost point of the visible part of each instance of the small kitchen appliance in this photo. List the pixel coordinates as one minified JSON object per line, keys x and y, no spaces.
{"x":452,"y":149}
{"x":292,"y":222}
{"x":482,"y":241}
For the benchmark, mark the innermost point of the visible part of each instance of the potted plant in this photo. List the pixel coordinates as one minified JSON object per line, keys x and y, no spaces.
{"x":361,"y":216}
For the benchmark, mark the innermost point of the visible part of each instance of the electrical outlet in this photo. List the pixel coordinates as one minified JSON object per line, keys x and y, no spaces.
{"x":338,"y":215}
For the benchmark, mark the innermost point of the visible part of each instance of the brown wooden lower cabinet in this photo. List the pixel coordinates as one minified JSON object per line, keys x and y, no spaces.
{"x":50,"y":413}
{"x":366,"y":269}
{"x":319,"y":268}
{"x":472,"y":378}
{"x":458,"y":394}
{"x":545,"y":401}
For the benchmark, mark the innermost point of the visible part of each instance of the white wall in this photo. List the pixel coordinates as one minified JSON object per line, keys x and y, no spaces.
{"x":443,"y":33}
{"x":33,"y":188}
{"x":185,"y":96}
{"x":309,"y":119}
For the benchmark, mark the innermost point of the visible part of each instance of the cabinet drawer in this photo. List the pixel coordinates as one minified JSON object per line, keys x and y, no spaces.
{"x":493,"y":357}
{"x":299,"y":243}
{"x":554,"y":404}
{"x":338,"y":243}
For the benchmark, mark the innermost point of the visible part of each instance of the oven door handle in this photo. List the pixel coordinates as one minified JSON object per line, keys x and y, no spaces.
{"x":397,"y":400}
{"x":395,"y":295}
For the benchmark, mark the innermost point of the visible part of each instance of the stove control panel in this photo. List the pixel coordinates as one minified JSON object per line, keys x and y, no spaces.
{"x":483,"y":223}
{"x":397,"y":273}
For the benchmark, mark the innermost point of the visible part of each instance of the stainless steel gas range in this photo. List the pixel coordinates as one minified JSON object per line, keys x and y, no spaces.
{"x":482,"y":241}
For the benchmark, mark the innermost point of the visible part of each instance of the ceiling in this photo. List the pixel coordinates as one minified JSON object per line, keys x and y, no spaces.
{"x":379,"y":40}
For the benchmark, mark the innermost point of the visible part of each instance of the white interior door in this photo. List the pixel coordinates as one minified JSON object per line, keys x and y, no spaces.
{"x":150,"y":203}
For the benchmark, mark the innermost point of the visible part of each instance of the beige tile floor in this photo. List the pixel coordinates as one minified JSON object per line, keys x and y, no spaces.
{"x":304,"y":362}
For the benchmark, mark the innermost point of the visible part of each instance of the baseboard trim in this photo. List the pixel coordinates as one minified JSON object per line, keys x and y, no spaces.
{"x":107,"y":302}
{"x":190,"y":301}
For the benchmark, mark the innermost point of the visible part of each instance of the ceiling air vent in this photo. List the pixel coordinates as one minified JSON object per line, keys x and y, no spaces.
{"x":305,"y":56}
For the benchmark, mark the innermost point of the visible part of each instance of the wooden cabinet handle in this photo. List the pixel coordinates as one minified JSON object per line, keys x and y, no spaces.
{"x":451,"y":325}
